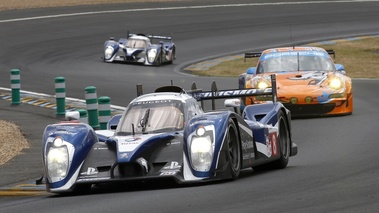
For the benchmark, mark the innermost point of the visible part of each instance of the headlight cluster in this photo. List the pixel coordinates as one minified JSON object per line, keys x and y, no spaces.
{"x":151,"y":55}
{"x":259,"y":83}
{"x":202,"y":148}
{"x":335,"y":83}
{"x":57,"y":160}
{"x":263,"y":84}
{"x":108,"y":52}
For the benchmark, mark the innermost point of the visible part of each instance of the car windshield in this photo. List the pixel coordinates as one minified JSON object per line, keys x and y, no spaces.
{"x":152,"y":117}
{"x":136,"y":43}
{"x":295,"y":61}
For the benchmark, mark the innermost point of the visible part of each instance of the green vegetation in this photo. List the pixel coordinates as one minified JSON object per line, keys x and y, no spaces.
{"x":359,"y":56}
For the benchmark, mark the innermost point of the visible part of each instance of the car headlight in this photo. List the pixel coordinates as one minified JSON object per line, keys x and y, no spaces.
{"x":108,"y":52}
{"x":151,"y":55}
{"x":335,"y":83}
{"x":262,"y":85}
{"x":57,"y":160}
{"x":202,"y":148}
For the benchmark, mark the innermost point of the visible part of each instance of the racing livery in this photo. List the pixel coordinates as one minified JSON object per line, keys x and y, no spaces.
{"x":167,"y":134}
{"x":309,"y":83}
{"x":140,"y":48}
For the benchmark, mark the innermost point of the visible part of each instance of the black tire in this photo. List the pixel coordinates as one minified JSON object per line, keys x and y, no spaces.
{"x":159,"y":59}
{"x":173,"y":57}
{"x":234,"y":150}
{"x":283,"y":142}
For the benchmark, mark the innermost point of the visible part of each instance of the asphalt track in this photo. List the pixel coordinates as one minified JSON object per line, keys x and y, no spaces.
{"x":336,"y":169}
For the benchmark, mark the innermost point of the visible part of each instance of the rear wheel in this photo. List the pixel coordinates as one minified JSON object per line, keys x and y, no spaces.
{"x":234,"y":151}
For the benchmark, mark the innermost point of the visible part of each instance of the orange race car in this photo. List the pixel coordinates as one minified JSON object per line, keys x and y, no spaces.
{"x":308,"y":81}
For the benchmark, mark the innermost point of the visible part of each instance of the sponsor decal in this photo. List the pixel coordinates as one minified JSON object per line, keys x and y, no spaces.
{"x":172,"y":169}
{"x":247,"y":144}
{"x":100,"y":148}
{"x":228,"y":93}
{"x":62,"y":133}
{"x":173,"y":165}
{"x":269,"y":146}
{"x":90,"y":171}
{"x":274,"y":143}
{"x":151,"y":102}
{"x":324,"y":97}
{"x":315,"y":78}
{"x":168,"y":172}
{"x":92,"y":179}
{"x":294,"y":53}
{"x":173,"y":143}
{"x":201,"y":122}
{"x":124,"y":155}
{"x":132,"y":139}
{"x":128,"y":144}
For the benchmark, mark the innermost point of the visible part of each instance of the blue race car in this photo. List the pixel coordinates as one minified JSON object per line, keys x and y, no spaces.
{"x":167,"y":134}
{"x":141,"y":49}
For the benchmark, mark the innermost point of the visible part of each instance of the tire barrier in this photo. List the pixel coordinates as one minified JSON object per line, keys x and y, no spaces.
{"x":92,"y":106}
{"x":98,"y":111}
{"x":15,"y":86}
{"x":60,"y":95}
{"x":83,"y":116}
{"x":104,"y":111}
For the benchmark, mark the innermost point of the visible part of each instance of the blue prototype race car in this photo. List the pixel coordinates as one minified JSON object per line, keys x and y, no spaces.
{"x":167,"y":134}
{"x":141,"y":49}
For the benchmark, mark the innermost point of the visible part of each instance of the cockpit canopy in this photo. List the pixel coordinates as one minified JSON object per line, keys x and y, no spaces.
{"x":152,"y":117}
{"x":136,"y":43}
{"x":295,"y":61}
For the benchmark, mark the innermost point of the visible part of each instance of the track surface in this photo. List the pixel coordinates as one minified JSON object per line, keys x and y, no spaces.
{"x":337,"y":167}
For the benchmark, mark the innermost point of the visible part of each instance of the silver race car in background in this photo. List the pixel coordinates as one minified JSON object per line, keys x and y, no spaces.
{"x":140,"y":48}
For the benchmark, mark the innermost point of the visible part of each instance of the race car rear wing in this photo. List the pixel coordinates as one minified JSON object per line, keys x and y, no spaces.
{"x":258,"y":54}
{"x":159,"y":37}
{"x":214,"y":93}
{"x":331,"y":52}
{"x":252,"y":55}
{"x":150,"y":36}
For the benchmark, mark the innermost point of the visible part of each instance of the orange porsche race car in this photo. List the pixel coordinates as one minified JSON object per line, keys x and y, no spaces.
{"x":308,"y":81}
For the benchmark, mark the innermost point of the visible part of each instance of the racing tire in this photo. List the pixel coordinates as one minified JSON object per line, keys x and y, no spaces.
{"x":234,"y":150}
{"x":159,"y":59}
{"x":172,"y":57}
{"x":284,"y":144}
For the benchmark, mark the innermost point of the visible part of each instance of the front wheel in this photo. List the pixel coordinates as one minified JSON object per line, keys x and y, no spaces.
{"x":173,"y":56}
{"x":234,"y":151}
{"x":284,"y":145}
{"x":283,"y":142}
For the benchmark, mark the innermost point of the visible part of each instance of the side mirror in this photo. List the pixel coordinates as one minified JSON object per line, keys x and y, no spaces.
{"x":234,"y":103}
{"x":113,"y":122}
{"x":251,"y":70}
{"x":72,"y":115}
{"x":340,"y":68}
